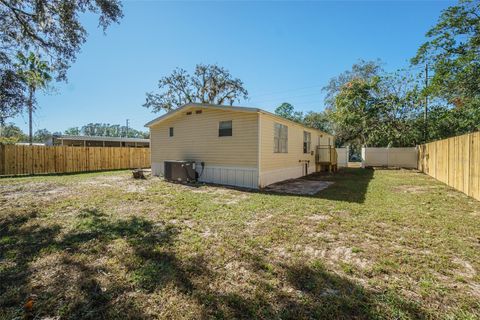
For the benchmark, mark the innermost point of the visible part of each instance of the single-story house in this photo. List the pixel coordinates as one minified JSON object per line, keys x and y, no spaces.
{"x":238,"y":146}
{"x":98,"y":141}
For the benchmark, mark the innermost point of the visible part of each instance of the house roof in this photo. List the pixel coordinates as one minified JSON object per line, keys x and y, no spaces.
{"x":100,"y":138}
{"x":28,"y":144}
{"x":170,"y":114}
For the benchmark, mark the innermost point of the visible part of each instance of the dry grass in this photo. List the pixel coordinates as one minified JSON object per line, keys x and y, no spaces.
{"x":376,"y":244}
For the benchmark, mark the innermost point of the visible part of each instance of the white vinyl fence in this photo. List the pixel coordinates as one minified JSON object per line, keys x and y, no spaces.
{"x":342,"y":157}
{"x":390,"y":157}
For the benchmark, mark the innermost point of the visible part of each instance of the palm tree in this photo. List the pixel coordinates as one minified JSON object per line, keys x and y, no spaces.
{"x":35,"y":73}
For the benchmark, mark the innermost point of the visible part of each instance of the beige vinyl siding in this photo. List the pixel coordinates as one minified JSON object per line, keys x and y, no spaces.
{"x":196,"y":138}
{"x":269,"y":160}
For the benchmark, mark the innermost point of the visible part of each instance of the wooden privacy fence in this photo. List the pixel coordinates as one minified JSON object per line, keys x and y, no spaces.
{"x":18,"y":160}
{"x":454,"y":161}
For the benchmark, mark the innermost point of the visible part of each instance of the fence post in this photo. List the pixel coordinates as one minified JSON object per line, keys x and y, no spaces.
{"x":448,"y":162}
{"x":2,"y":159}
{"x":388,"y":156}
{"x":363,"y":156}
{"x":467,"y":178}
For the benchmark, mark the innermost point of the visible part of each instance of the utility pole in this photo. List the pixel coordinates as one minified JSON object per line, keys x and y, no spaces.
{"x":425,"y":112}
{"x":126,"y":132}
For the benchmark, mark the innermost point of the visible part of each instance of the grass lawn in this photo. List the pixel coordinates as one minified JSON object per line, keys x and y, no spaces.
{"x":390,"y":244}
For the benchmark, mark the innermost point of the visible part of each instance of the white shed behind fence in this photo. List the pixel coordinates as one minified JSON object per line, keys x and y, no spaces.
{"x":390,"y":157}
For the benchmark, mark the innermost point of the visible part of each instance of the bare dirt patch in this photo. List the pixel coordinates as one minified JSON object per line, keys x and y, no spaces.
{"x":475,"y":289}
{"x":326,"y":236}
{"x":208,"y":233}
{"x":413,"y":189}
{"x":38,"y":190}
{"x":341,"y":213}
{"x":465,"y":269}
{"x":223,"y":195}
{"x":319,"y":217}
{"x":124,"y":182}
{"x":335,"y":255}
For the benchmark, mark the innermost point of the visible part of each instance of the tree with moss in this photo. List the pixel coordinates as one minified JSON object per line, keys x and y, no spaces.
{"x":50,"y":27}
{"x":208,"y":84}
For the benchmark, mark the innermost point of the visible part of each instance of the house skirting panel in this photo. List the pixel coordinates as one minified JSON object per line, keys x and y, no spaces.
{"x":246,"y":177}
{"x":157,"y":168}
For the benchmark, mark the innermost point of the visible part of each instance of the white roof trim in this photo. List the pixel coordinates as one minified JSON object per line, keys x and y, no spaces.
{"x":226,"y":108}
{"x":201,"y":105}
{"x":100,"y":138}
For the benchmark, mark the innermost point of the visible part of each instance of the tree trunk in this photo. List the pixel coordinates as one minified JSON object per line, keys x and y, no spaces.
{"x":30,"y":114}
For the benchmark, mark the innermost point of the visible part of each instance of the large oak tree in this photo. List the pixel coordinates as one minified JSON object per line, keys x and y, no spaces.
{"x":367,"y":106}
{"x":208,"y":84}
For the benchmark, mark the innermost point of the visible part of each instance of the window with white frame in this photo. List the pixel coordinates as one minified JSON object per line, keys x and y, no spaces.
{"x":280,"y":138}
{"x":307,"y":142}
{"x":225,"y":129}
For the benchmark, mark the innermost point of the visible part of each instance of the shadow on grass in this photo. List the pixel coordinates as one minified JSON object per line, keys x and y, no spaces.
{"x":71,"y":283}
{"x":317,"y":294}
{"x":20,"y":241}
{"x":332,"y":296}
{"x":68,"y":284}
{"x":349,"y":185}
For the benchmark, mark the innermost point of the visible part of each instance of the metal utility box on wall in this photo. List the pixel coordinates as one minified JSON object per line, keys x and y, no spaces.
{"x":181,"y":171}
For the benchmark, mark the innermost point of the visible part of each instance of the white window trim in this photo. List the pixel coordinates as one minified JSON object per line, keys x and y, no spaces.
{"x":218,"y":131}
{"x":279,"y":138}
{"x":309,"y":142}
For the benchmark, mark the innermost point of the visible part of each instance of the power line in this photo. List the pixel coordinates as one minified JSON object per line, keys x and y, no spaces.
{"x":284,"y":98}
{"x":312,"y":105}
{"x":288,"y":90}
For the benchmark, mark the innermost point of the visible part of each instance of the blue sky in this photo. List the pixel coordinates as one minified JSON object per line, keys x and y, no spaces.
{"x":283,"y":51}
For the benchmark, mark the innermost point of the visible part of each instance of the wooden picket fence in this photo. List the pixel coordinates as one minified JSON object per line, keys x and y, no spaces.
{"x":26,"y":160}
{"x":454,"y":161}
